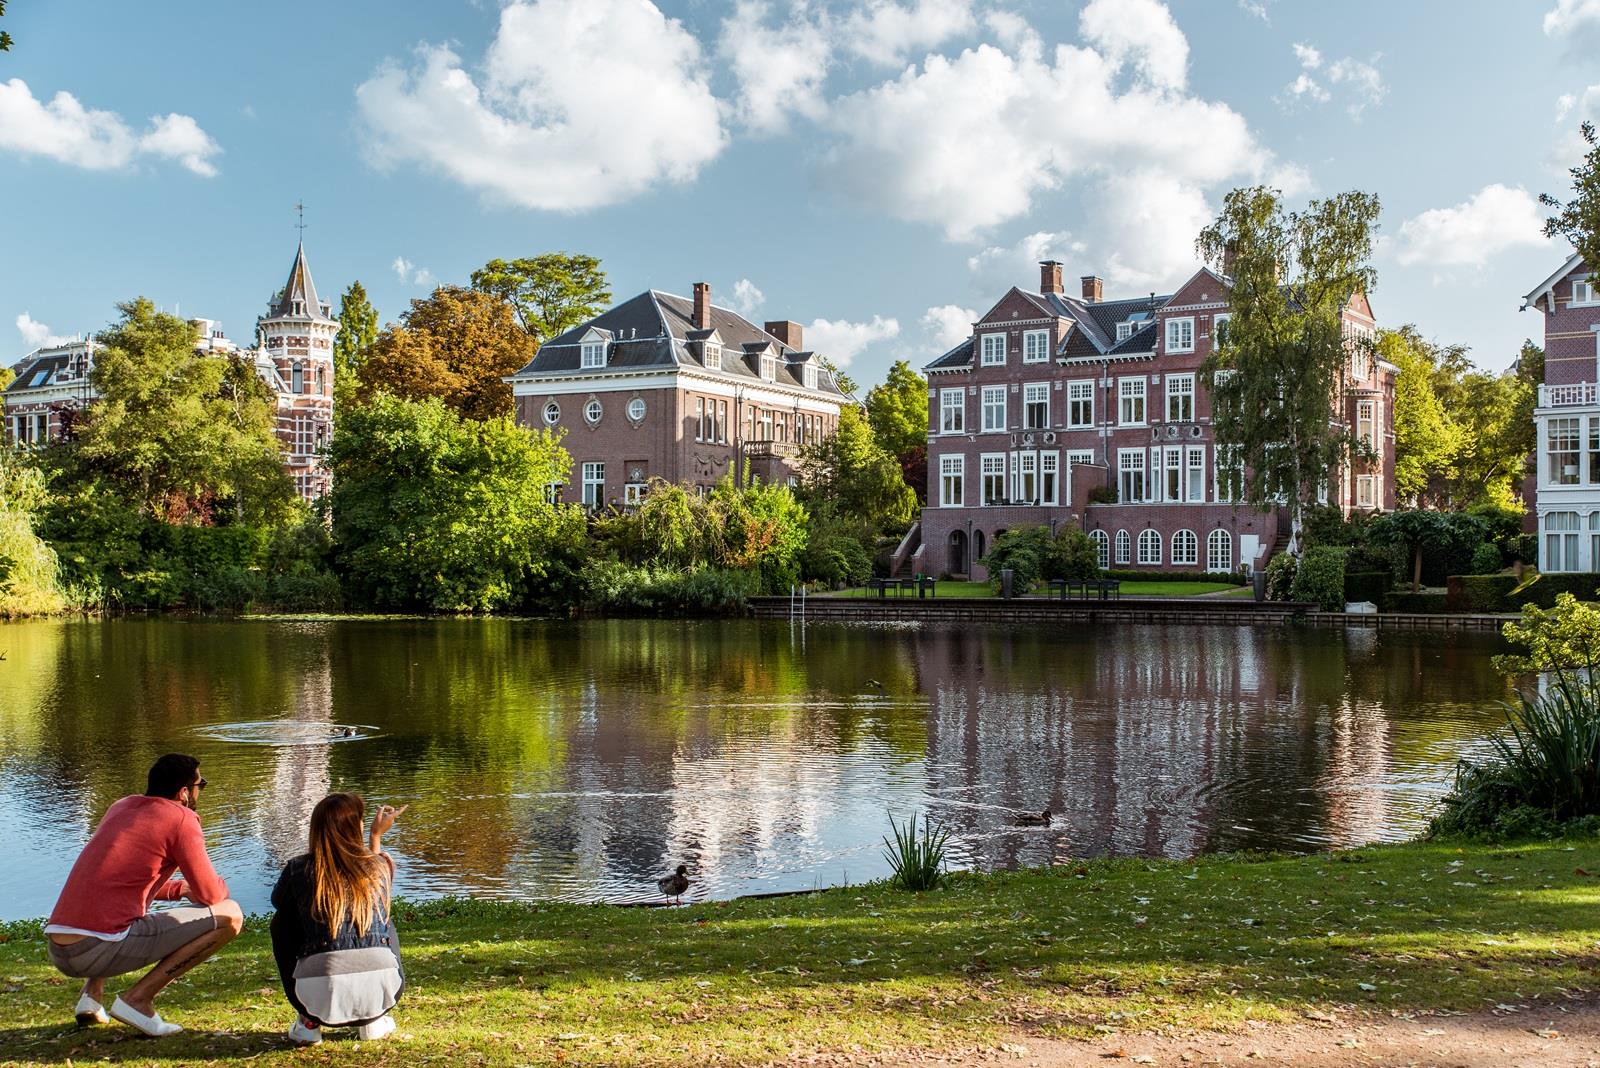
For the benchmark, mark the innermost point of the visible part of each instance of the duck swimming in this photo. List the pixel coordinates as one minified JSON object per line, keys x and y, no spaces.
{"x":1030,"y":820}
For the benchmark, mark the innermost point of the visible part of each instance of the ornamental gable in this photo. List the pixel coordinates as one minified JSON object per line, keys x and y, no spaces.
{"x":1013,"y":307}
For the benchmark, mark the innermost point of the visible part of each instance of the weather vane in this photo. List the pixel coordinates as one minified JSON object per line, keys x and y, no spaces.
{"x":300,"y":209}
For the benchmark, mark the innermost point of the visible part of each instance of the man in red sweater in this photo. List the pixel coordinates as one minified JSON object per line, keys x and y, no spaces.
{"x":102,"y":925}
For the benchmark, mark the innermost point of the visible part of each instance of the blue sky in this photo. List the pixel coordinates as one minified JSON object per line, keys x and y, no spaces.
{"x":878,"y":170}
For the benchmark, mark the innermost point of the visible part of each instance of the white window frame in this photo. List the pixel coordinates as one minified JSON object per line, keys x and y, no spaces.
{"x":952,"y":411}
{"x":1124,"y":331}
{"x":637,"y":409}
{"x":1080,"y":393}
{"x":992,"y":349}
{"x":1180,"y":334}
{"x":1025,"y":477}
{"x":1180,"y":398}
{"x":769,"y":367}
{"x":1172,"y":473}
{"x":1218,"y":321}
{"x":1584,"y":292}
{"x":1366,"y":491}
{"x":1219,"y":551}
{"x":952,"y":480}
{"x":808,"y":376}
{"x":1150,"y":547}
{"x":1035,"y":346}
{"x":1555,"y":471}
{"x":1560,"y":543}
{"x":987,"y":397}
{"x":1124,"y":547}
{"x":551,"y":413}
{"x":1130,"y":463}
{"x":1049,"y":477}
{"x":592,"y":355}
{"x":1223,"y":467}
{"x":1131,"y":401}
{"x":1034,"y":393}
{"x":594,"y":483}
{"x":593,"y":411}
{"x":1194,"y":474}
{"x":634,"y":493}
{"x":991,"y":478}
{"x":1102,"y":548}
{"x":1185,"y":548}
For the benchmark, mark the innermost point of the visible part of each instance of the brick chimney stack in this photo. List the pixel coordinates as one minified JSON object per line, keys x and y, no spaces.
{"x":786,"y":332}
{"x":1050,"y":276}
{"x":1093,"y":288}
{"x":702,"y":305}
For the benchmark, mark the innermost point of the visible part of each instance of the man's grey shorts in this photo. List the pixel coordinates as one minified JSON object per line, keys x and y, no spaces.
{"x":152,"y":936}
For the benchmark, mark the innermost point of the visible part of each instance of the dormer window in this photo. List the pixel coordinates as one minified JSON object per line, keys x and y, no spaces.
{"x":593,"y":354}
{"x":1124,"y":331}
{"x":713,"y":354}
{"x":808,"y":375}
{"x":769,"y":367}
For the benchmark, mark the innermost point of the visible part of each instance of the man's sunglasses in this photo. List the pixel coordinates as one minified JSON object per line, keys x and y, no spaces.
{"x":201,"y":785}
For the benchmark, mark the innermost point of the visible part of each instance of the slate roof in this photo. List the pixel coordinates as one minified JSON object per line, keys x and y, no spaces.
{"x":657,"y":330}
{"x":37,"y":373}
{"x":299,"y":287}
{"x":1092,"y":333}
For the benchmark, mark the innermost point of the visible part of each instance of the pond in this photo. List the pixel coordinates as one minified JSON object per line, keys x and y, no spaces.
{"x":582,"y":760}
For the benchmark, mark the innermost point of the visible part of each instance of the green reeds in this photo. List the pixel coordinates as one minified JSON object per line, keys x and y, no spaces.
{"x":916,"y":855}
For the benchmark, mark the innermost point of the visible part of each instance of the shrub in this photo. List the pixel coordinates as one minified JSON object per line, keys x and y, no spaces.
{"x":1524,"y":547}
{"x":1073,"y":556}
{"x":1237,"y":578}
{"x":1503,"y":530}
{"x":917,"y":859}
{"x":1366,"y":585}
{"x":1504,"y":593}
{"x":838,"y":550}
{"x":1485,"y":559}
{"x":1405,"y":601}
{"x":1479,"y":593}
{"x":1280,"y":577}
{"x":1320,"y":577}
{"x":1024,"y":551}
{"x":29,"y":573}
{"x":616,"y":588}
{"x":1103,"y":495}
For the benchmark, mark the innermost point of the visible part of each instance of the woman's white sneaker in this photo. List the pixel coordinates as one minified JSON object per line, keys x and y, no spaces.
{"x":382,"y":1027}
{"x":301,"y":1035}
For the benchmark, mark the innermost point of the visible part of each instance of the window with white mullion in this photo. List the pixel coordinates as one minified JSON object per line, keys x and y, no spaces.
{"x":993,"y":350}
{"x":1172,"y":482}
{"x":1080,"y":404}
{"x":994,"y":409}
{"x":1130,"y":475}
{"x":1035,"y":346}
{"x":1180,"y":398}
{"x":1130,"y":397}
{"x":1561,"y":450}
{"x":951,"y":477}
{"x":1049,"y":477}
{"x":1025,"y":480}
{"x":952,"y":411}
{"x":1036,"y":406}
{"x":1180,"y":335}
{"x":992,"y":468}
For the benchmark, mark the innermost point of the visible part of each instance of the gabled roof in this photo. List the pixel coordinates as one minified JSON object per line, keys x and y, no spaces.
{"x":656,"y":330}
{"x":1547,"y":287}
{"x":38,"y":372}
{"x":957,"y":358}
{"x":299,"y":288}
{"x":1092,"y":329}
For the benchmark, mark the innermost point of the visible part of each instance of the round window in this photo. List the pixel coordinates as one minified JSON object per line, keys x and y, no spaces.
{"x":636,"y":409}
{"x":552,"y":413}
{"x":592,"y":411}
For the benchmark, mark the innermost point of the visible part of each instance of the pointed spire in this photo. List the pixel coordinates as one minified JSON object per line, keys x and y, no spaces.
{"x":299,"y":296}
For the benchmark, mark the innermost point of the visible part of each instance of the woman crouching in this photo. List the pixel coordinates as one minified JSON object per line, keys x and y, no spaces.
{"x":334,"y":940}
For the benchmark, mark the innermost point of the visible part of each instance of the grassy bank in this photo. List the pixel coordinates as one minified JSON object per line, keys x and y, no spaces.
{"x":1116,"y":945}
{"x":1130,"y":588}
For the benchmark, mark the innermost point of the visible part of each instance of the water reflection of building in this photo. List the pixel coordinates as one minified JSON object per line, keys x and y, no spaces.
{"x":300,"y":775}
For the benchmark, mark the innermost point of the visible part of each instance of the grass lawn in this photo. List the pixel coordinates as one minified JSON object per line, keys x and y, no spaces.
{"x":1102,"y":946}
{"x":983,"y":589}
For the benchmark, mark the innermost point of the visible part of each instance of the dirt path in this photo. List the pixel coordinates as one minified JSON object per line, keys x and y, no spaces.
{"x":1540,"y":1035}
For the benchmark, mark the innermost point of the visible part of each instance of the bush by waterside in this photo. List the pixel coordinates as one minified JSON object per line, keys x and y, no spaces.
{"x":611,"y":587}
{"x":1319,"y":578}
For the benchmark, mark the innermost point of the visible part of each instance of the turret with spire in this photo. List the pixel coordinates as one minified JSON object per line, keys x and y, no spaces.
{"x":297,"y":344}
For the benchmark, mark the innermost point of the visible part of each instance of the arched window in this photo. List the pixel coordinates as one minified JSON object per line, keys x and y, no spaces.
{"x":297,"y":378}
{"x":1102,"y":547}
{"x":552,"y":413}
{"x":1185,"y":548}
{"x":321,"y":384}
{"x":979,"y":546}
{"x":1124,"y":547}
{"x":1149,"y":547}
{"x":1219,"y":550}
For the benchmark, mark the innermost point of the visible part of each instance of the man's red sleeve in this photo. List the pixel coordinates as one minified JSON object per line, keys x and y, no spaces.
{"x":203,"y":885}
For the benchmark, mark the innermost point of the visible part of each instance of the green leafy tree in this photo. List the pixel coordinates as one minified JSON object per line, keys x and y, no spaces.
{"x":457,"y":345}
{"x":846,"y":384}
{"x":1452,"y":536}
{"x":438,"y":512}
{"x":897,"y":410}
{"x":1578,"y":219}
{"x":764,"y":529}
{"x":178,"y":435}
{"x":1276,"y":380}
{"x":1427,"y":439}
{"x":853,"y":472}
{"x":550,"y":293}
{"x":358,"y":330}
{"x":5,"y":38}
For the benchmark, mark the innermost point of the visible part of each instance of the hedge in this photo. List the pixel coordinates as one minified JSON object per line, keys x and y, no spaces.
{"x":1412,"y":602}
{"x":1367,"y":585}
{"x":1320,"y":577}
{"x":1502,"y":593}
{"x":1237,"y":578}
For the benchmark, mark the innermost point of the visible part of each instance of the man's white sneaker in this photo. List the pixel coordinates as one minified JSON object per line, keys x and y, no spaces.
{"x":382,"y":1027}
{"x":90,"y":1012}
{"x":301,"y":1035}
{"x":152,"y":1025}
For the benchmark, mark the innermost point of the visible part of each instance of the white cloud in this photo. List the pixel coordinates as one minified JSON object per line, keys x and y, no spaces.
{"x":948,"y":324}
{"x":747,"y":297}
{"x":1572,"y":16}
{"x":1151,"y":220}
{"x":37,"y":335}
{"x":1471,"y":233}
{"x":998,"y":267}
{"x":410,"y":274}
{"x":842,"y":341}
{"x":1362,"y":81}
{"x":888,"y":32}
{"x":780,"y":69}
{"x":66,"y":131}
{"x":1140,"y":32}
{"x":924,"y":146}
{"x":578,"y":106}
{"x":1258,"y":8}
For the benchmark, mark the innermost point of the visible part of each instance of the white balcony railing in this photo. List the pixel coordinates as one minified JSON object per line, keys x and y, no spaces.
{"x":1562,"y":396}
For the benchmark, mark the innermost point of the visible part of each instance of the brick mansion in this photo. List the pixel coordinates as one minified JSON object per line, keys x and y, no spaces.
{"x":1079,"y":410}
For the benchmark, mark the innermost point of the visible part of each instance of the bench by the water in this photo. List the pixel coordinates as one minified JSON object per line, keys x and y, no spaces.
{"x":922,"y":584}
{"x":1106,"y":589}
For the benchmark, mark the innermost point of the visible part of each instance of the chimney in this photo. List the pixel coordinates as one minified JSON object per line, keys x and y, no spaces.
{"x":702,"y":305}
{"x":1093,"y":288}
{"x":1050,"y":276}
{"x":786,"y":332}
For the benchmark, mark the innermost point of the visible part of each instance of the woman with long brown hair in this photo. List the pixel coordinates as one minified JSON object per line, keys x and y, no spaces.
{"x":337,"y":951}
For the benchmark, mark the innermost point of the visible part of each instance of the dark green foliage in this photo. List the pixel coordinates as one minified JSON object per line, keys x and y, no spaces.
{"x":1320,"y":577}
{"x":1524,"y":547}
{"x":551,"y":293}
{"x":1366,"y":585}
{"x":916,"y":857}
{"x":1437,"y":544}
{"x":1502,"y":529}
{"x":1237,"y":578}
{"x":838,"y":550}
{"x":1485,"y":559}
{"x":1507,"y":593}
{"x":1480,"y":593}
{"x":854,"y":474}
{"x":1103,"y":495}
{"x":615,"y":588}
{"x":1280,"y":577}
{"x":1401,"y":601}
{"x":1578,"y":220}
{"x":1034,"y":554}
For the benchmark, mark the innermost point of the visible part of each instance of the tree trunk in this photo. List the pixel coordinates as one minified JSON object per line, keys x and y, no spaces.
{"x":1416,"y":568}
